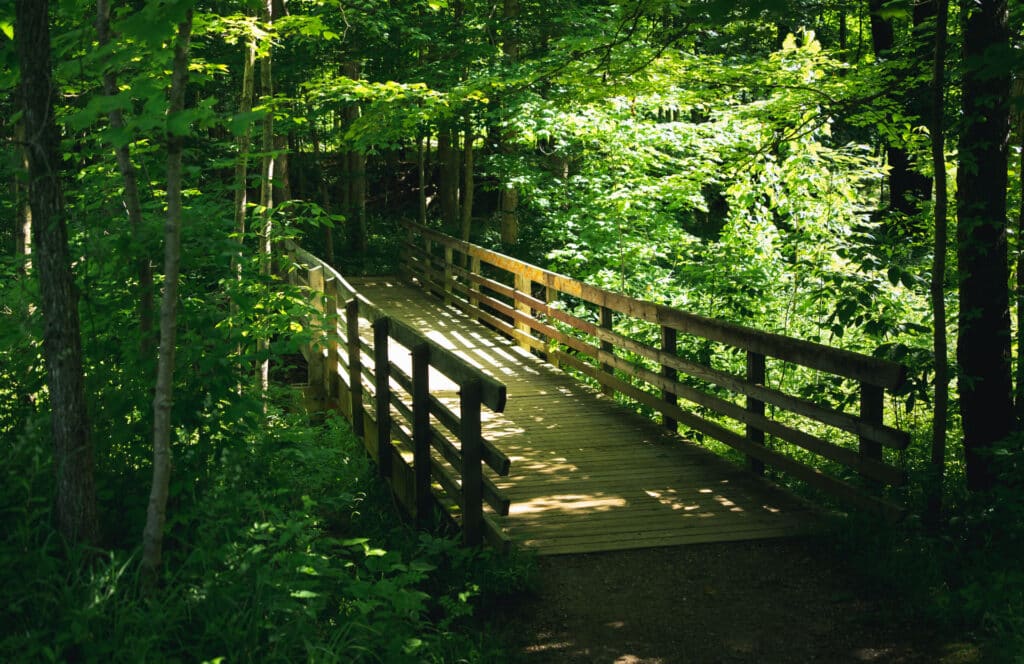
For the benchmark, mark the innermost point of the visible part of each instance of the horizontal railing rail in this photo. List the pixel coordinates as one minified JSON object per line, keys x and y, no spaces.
{"x":377,"y":371}
{"x":528,"y":304}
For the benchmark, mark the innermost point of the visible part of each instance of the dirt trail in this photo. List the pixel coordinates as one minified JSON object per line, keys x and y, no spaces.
{"x":774,"y":601}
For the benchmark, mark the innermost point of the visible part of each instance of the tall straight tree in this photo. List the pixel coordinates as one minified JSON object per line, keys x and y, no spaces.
{"x":132,"y":202}
{"x":940,"y":344}
{"x":62,"y":344}
{"x":153,"y":535}
{"x":983,"y":345}
{"x":243,"y":142}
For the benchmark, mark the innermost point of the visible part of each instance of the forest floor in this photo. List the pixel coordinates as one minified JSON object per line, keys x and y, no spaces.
{"x":765,"y":601}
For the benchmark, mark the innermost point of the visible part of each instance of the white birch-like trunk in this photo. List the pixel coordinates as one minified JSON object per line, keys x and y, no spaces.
{"x":152,"y":536}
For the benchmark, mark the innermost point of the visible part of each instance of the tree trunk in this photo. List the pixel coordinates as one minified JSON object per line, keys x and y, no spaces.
{"x":153,"y":535}
{"x":357,"y":200}
{"x":23,"y":222}
{"x":267,"y":147}
{"x":132,"y":201}
{"x":466,"y":222}
{"x":422,"y":142}
{"x":448,"y":177}
{"x":266,"y":188}
{"x":983,"y":347}
{"x":508,"y":200}
{"x":907,"y":187}
{"x":1018,"y":123}
{"x":282,"y":176}
{"x":75,"y":508}
{"x":356,"y":168}
{"x":243,"y":144}
{"x":940,"y":345}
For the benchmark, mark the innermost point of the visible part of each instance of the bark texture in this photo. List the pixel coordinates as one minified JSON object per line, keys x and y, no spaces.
{"x":62,"y":345}
{"x":244,"y":142}
{"x":940,"y":344}
{"x":152,"y":536}
{"x":983,"y":348}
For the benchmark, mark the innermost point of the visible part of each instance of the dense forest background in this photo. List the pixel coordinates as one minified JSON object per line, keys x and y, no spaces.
{"x":846,"y":172}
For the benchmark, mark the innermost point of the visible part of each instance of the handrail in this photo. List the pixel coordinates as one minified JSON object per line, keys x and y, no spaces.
{"x":504,"y":297}
{"x":419,"y":421}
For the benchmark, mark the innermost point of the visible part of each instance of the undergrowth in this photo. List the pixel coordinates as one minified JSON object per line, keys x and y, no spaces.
{"x":966,"y":578}
{"x":286,"y":550}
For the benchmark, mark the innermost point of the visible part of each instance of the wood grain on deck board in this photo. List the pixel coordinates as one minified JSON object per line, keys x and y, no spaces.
{"x":588,"y":474}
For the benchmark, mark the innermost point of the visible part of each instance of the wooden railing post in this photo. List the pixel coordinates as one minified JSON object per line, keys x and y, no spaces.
{"x":382,"y":371}
{"x":421,"y":433}
{"x":871,"y":410}
{"x":668,"y":345}
{"x":355,"y":366}
{"x":448,"y":275}
{"x":522,"y":284}
{"x":474,"y":268}
{"x":549,"y":297}
{"x":607,"y":320}
{"x":472,"y":473}
{"x":755,"y":375}
{"x":406,"y":258}
{"x":331,"y":363}
{"x":315,"y":362}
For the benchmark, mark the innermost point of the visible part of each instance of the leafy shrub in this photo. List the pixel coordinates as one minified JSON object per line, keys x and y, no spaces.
{"x":283,"y":552}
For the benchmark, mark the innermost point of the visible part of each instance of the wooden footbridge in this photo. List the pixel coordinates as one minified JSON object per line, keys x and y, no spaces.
{"x":472,"y":361}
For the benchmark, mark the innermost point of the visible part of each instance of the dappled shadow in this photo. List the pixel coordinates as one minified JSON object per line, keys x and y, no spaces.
{"x":588,"y":474}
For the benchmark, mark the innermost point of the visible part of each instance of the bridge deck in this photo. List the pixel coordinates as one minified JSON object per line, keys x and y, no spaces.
{"x":588,"y":474}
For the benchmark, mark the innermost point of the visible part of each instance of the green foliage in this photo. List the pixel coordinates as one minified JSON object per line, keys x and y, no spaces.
{"x":967,"y":577}
{"x":281,"y":551}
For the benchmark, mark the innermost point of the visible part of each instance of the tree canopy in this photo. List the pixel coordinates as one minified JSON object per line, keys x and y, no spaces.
{"x":783,"y":165}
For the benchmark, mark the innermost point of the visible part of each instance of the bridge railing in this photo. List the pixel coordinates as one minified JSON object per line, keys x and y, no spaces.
{"x":377,"y":371}
{"x":821,"y":444}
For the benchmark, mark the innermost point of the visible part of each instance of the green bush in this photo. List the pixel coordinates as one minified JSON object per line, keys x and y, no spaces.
{"x":287,"y":551}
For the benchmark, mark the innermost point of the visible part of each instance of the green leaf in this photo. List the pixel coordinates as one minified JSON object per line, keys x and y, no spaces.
{"x":241,"y":121}
{"x":7,"y":28}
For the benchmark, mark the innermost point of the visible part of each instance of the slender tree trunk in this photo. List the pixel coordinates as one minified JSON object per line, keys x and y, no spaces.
{"x":23,"y":222}
{"x":243,"y":144}
{"x":323,"y":193}
{"x":266,"y":188}
{"x":132,"y":201}
{"x":466,"y":224}
{"x":508,"y":200}
{"x":75,"y":509}
{"x":907,"y":187}
{"x":356,"y":169}
{"x":282,"y":175}
{"x":448,"y":177}
{"x":1018,"y":122}
{"x":983,"y":347}
{"x":153,"y":535}
{"x":421,"y":175}
{"x":938,"y":285}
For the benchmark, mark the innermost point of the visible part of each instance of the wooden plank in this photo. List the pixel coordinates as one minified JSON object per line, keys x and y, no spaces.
{"x":595,"y":450}
{"x":382,"y":395}
{"x":755,"y":434}
{"x":421,"y":432}
{"x":497,"y":460}
{"x":885,"y":435}
{"x":841,"y":362}
{"x":492,"y":392}
{"x":870,"y":467}
{"x":470,"y":399}
{"x":355,"y":366}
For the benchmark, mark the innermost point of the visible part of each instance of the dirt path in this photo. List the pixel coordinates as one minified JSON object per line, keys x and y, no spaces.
{"x":776,"y":601}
